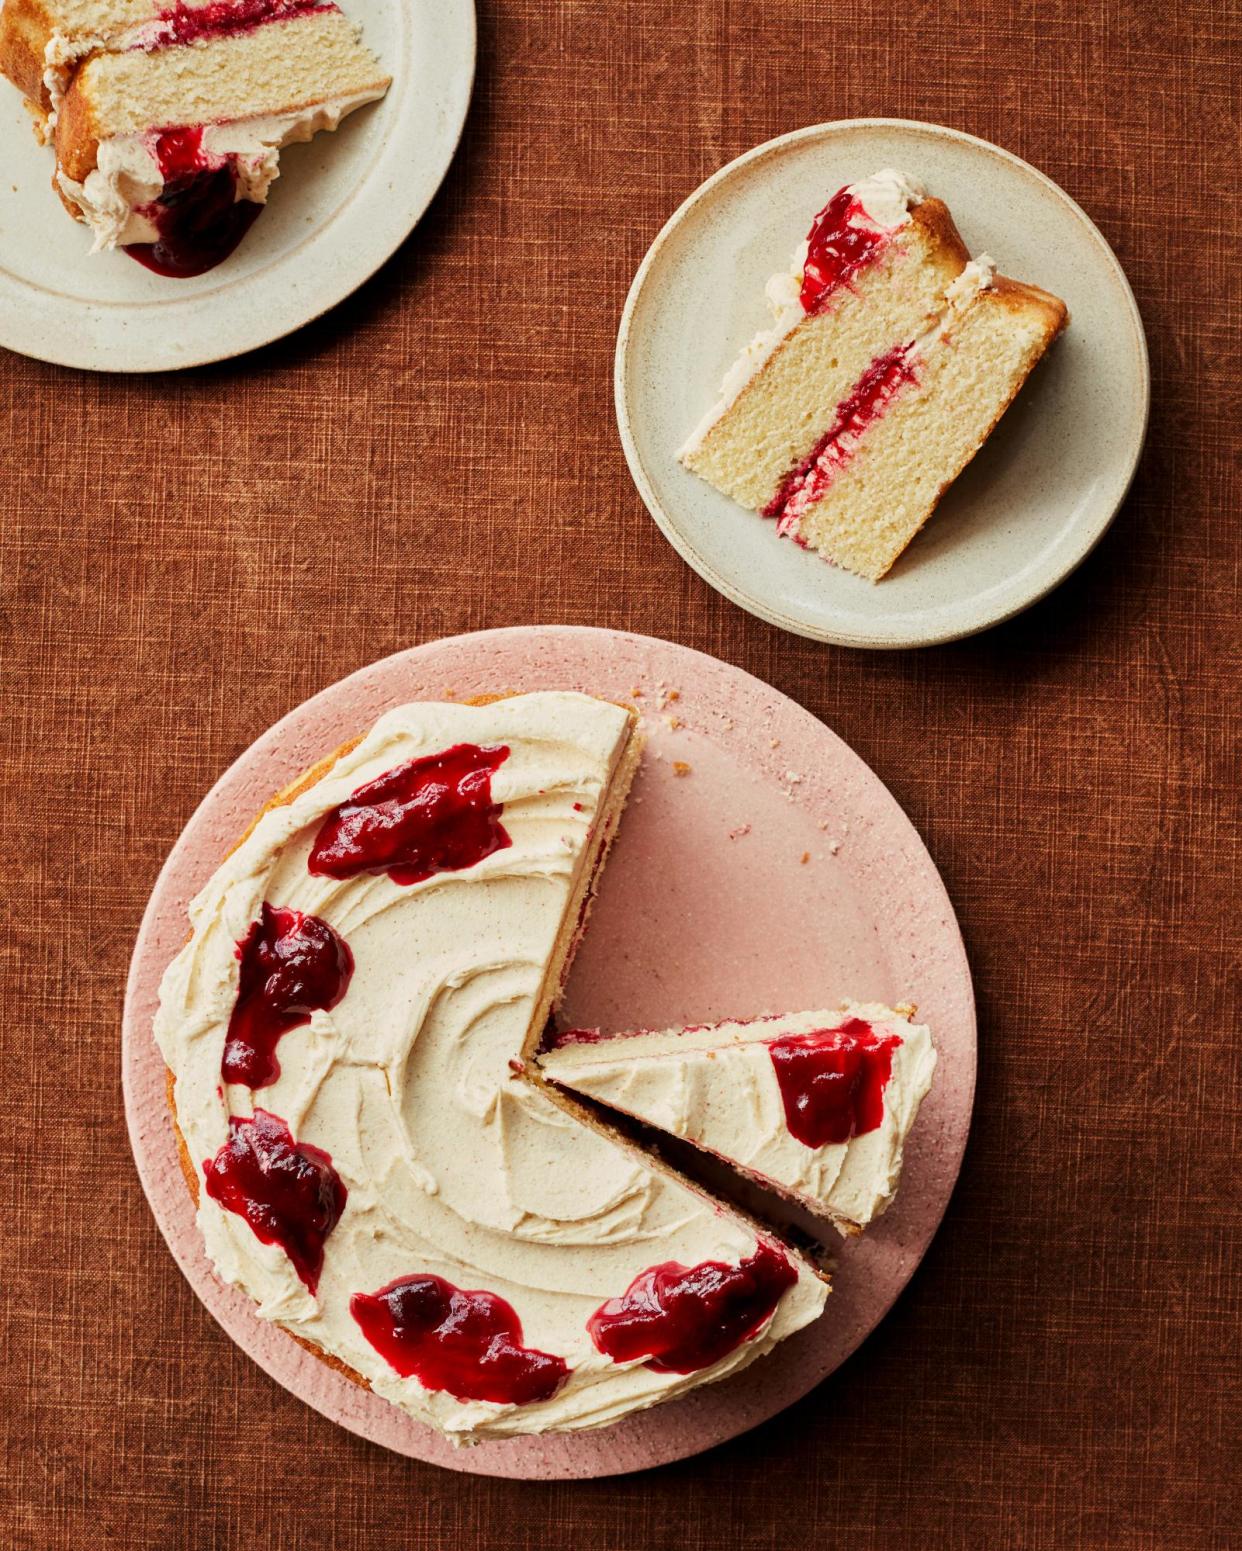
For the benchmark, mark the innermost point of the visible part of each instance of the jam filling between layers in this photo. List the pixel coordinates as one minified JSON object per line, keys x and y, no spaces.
{"x":287,"y":1191}
{"x":291,"y":966}
{"x":843,"y":240}
{"x":179,"y":25}
{"x":679,"y":1319}
{"x":832,"y":1081}
{"x":867,"y":401}
{"x":467,"y":1343}
{"x":431,"y":815}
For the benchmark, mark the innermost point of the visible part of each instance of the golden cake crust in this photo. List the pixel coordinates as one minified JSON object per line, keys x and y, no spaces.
{"x":933,"y":218}
{"x":25,"y":30}
{"x":75,"y":136}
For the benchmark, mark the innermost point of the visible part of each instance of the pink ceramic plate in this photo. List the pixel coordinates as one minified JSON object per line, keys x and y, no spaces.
{"x":761,"y":866}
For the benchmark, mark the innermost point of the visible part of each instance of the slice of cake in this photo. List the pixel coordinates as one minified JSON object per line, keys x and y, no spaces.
{"x":349,"y":1032}
{"x":892,"y":357}
{"x":168,"y":121}
{"x":815,"y":1105}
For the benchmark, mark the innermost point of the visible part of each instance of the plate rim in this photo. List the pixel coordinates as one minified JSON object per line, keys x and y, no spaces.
{"x":489,"y":1459}
{"x":326,"y":296}
{"x":772,"y":612}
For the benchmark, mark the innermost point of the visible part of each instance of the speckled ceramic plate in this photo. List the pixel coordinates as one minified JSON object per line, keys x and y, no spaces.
{"x":342,"y":205}
{"x":1038,"y":496}
{"x":781,"y":869}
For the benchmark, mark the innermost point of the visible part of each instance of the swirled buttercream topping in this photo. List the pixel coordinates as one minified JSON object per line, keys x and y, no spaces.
{"x":457,"y":1167}
{"x":817,"y":1103}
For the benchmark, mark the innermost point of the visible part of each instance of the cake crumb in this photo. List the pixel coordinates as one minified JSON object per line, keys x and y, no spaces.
{"x":834,"y":846}
{"x":774,"y":743}
{"x":673,"y":694}
{"x":806,"y":857}
{"x":739,"y":832}
{"x":674,"y":722}
{"x":680,"y":768}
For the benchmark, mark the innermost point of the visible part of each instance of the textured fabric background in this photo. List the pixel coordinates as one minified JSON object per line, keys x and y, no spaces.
{"x":185,"y":558}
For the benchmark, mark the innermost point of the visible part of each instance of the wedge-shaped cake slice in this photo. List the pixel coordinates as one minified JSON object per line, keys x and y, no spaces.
{"x":892,"y":357}
{"x":816,"y":1105}
{"x":168,"y":121}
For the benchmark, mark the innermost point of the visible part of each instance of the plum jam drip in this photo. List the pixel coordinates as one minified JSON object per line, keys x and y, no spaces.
{"x":428,"y":816}
{"x":292,"y":965}
{"x":832,"y":1081}
{"x":287,"y":1191}
{"x":198,"y":216}
{"x":679,"y":1319}
{"x":466,"y":1343}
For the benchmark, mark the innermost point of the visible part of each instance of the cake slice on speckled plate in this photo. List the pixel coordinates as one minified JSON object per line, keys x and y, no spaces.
{"x":892,"y":357}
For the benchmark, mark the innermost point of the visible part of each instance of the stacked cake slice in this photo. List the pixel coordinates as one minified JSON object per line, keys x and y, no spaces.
{"x":892,"y":357}
{"x":168,"y":121}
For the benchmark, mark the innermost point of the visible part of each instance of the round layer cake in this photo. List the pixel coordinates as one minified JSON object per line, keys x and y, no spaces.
{"x":377,"y":1162}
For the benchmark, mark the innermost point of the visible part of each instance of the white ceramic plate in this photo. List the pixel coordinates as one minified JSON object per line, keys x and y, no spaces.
{"x":1032,"y":504}
{"x":342,"y":205}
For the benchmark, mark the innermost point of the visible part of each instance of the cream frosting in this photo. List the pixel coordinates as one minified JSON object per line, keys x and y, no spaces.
{"x":717,"y":1087}
{"x":127,"y":176}
{"x":456,"y":1163}
{"x":979,"y":275}
{"x":885,"y":199}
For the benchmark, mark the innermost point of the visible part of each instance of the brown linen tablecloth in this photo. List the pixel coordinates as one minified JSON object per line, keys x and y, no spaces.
{"x":186,"y":557}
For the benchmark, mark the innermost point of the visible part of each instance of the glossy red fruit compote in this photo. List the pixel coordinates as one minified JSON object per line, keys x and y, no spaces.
{"x":841,"y":242}
{"x":287,"y":1191}
{"x":466,"y":1343}
{"x":683,"y":1318}
{"x":832,"y":1081}
{"x":291,"y":966}
{"x":429,"y":816}
{"x":182,"y":24}
{"x":874,"y":391}
{"x":198,"y":216}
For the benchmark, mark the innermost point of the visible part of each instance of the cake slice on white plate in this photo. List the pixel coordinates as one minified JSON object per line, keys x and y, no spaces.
{"x":892,"y":357}
{"x":816,"y":1105}
{"x":168,"y":121}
